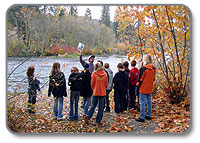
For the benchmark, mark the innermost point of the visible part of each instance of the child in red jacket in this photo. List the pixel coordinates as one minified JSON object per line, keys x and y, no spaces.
{"x":134,"y":72}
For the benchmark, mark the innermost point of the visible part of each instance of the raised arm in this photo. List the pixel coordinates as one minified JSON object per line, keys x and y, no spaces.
{"x":81,"y":60}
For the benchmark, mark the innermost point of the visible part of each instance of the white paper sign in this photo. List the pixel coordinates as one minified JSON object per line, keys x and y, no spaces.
{"x":80,"y":46}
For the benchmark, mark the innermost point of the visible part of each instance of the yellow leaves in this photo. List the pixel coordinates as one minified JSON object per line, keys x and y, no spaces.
{"x":58,"y":8}
{"x":57,"y":16}
{"x":109,"y":50}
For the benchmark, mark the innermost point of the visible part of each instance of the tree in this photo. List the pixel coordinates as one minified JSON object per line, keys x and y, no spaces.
{"x":105,"y":16}
{"x":88,"y":13}
{"x":164,"y":33}
{"x":54,"y":32}
{"x":73,"y":10}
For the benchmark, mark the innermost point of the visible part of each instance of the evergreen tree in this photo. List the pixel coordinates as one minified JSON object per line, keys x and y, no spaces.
{"x":105,"y":16}
{"x":88,"y":13}
{"x":73,"y":10}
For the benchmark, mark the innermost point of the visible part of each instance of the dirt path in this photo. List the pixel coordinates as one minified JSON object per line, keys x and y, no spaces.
{"x":19,"y":120}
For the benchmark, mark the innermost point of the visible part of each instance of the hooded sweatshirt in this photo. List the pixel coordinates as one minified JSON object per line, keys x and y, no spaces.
{"x":146,"y":79}
{"x":74,"y":81}
{"x":99,"y":83}
{"x":110,"y":81}
{"x":86,"y":90}
{"x":57,"y":85}
{"x":120,"y":81}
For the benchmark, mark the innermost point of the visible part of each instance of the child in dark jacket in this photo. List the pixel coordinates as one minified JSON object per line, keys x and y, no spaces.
{"x":57,"y":86}
{"x":86,"y":90}
{"x":33,"y":86}
{"x":127,"y":72}
{"x":74,"y":82}
{"x":120,"y":81}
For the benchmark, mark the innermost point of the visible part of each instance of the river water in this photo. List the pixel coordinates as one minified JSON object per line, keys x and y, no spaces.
{"x":18,"y":80}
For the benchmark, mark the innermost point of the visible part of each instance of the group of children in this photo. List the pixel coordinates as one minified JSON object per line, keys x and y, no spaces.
{"x":94,"y":84}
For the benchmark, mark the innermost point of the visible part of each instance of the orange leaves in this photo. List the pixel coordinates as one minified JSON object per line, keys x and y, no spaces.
{"x":18,"y":86}
{"x":24,"y":10}
{"x":65,"y":65}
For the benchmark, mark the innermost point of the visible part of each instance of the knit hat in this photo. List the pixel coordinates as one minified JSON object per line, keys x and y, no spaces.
{"x":86,"y":66}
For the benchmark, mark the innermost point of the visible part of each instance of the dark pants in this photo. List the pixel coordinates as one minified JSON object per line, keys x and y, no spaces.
{"x":120,"y":102}
{"x":107,"y":105}
{"x":132,"y":96}
{"x":31,"y":100}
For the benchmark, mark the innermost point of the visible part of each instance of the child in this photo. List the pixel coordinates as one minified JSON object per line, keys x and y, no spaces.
{"x":134,"y":72}
{"x":145,"y":83}
{"x":99,"y":84}
{"x":57,"y":86}
{"x":33,"y":86}
{"x":86,"y":90}
{"x":120,"y":81}
{"x":110,"y":84}
{"x":74,"y":82}
{"x":127,"y":72}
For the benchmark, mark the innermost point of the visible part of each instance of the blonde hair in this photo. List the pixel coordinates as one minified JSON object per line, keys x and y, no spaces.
{"x":74,"y":70}
{"x":98,"y":66}
{"x":56,"y":68}
{"x":147,"y":59}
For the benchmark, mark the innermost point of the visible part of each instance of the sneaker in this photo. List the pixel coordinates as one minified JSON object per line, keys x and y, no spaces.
{"x":148,"y":118}
{"x":139,"y":120}
{"x":60,"y":118}
{"x":86,"y":119}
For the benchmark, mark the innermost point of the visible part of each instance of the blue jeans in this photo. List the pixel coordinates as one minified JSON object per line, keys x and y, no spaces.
{"x":74,"y":98}
{"x":145,"y":99}
{"x":58,"y":107}
{"x":86,"y":103}
{"x":106,"y":104}
{"x":100,"y":101}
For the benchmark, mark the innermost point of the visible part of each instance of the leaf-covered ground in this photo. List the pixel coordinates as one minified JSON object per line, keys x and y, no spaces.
{"x":166,"y":117}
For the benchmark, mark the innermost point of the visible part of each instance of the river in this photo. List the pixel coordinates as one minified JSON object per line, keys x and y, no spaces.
{"x":18,"y":80}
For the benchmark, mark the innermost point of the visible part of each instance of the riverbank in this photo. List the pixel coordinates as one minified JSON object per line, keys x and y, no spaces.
{"x":69,"y":55}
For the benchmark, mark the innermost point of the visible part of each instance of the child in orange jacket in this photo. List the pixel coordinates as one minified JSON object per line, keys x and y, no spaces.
{"x":145,"y":83}
{"x":99,"y":83}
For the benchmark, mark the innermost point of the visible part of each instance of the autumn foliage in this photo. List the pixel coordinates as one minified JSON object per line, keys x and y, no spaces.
{"x":164,"y":33}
